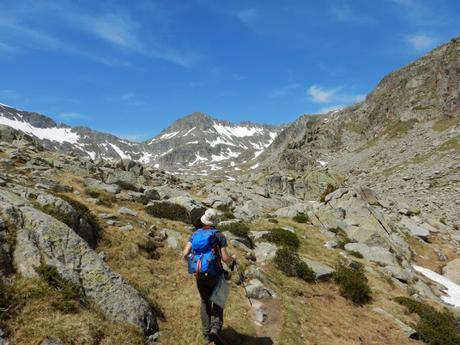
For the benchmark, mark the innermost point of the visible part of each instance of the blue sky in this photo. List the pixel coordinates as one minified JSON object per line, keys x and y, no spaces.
{"x":133,"y":67}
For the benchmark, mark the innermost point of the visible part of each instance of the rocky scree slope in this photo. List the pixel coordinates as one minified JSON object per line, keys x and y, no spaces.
{"x":194,"y":144}
{"x":113,"y":231}
{"x":403,"y":140}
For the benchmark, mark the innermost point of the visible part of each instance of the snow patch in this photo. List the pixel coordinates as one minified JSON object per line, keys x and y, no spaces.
{"x":59,"y":135}
{"x":188,"y":132}
{"x":198,"y":159}
{"x":322,"y":163}
{"x":452,"y":290}
{"x":255,"y":166}
{"x":236,"y":131}
{"x":120,"y":152}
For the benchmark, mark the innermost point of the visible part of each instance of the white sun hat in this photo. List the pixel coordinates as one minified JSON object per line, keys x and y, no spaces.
{"x":211,"y":217}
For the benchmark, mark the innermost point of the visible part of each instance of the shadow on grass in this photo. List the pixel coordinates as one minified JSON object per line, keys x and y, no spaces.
{"x":230,"y":336}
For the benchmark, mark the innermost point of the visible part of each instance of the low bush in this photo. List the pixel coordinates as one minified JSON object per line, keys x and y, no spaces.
{"x":300,"y":218}
{"x":283,"y":238}
{"x":434,"y":327}
{"x":353,"y":283}
{"x":69,"y":296}
{"x":228,"y":216}
{"x":329,"y":189}
{"x":168,"y":210}
{"x":104,"y":198}
{"x":7,"y":302}
{"x":238,"y":229}
{"x":291,"y":265}
{"x":355,"y":254}
{"x":273,"y":220}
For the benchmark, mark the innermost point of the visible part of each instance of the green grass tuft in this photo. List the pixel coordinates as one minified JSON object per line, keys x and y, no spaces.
{"x":283,"y":238}
{"x":434,"y":327}
{"x":291,"y":265}
{"x":300,"y":218}
{"x":237,"y":229}
{"x":68,"y":301}
{"x":353,"y":284}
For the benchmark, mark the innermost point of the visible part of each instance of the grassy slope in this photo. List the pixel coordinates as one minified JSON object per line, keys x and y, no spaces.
{"x":310,"y":314}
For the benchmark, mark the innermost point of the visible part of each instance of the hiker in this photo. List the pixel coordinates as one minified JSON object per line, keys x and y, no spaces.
{"x":205,"y":251}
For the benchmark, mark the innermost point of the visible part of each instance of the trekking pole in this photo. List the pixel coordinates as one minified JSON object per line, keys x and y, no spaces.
{"x":241,"y":277}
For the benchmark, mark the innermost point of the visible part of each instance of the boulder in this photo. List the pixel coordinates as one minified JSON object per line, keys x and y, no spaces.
{"x":125,"y":179}
{"x":233,"y":238}
{"x":151,"y":194}
{"x":182,"y":208}
{"x":265,"y":251}
{"x":256,"y":289}
{"x":41,"y":239}
{"x":219,"y":201}
{"x":452,"y":270}
{"x":127,"y":211}
{"x":322,"y":271}
{"x":66,"y":213}
{"x":292,"y":211}
{"x":172,"y":238}
{"x":96,"y":184}
{"x":250,"y":209}
{"x":414,"y":229}
{"x":378,"y":255}
{"x":407,"y":330}
{"x":259,"y":315}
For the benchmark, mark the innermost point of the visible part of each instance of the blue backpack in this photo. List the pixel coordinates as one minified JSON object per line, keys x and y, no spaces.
{"x":205,"y":257}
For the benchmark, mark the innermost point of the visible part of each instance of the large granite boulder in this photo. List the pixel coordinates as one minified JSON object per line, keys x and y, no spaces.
{"x":42,"y":239}
{"x":182,"y":208}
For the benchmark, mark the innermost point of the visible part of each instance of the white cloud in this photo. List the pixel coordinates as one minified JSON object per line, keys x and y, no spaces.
{"x":118,"y":29}
{"x":248,"y":15}
{"x":421,"y":41}
{"x":331,"y":108}
{"x":344,"y":13}
{"x":284,"y":90}
{"x":321,"y":95}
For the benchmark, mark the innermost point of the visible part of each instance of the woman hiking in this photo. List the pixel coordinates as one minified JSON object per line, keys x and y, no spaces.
{"x":205,"y":251}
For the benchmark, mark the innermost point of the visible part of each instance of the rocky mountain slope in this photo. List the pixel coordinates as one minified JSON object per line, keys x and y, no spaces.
{"x":345,"y":228}
{"x":194,"y":144}
{"x":89,"y":255}
{"x":198,"y":141}
{"x":403,"y":140}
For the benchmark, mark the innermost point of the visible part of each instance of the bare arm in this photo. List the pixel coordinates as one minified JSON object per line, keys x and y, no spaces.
{"x":225,"y":257}
{"x":186,"y":251}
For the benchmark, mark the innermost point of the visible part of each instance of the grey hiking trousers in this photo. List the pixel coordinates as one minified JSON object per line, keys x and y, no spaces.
{"x":212,"y":316}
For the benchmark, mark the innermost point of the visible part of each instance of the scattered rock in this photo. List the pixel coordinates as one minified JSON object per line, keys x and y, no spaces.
{"x":322,"y":271}
{"x":127,"y":211}
{"x":172,"y":238}
{"x":264,"y":251}
{"x":452,"y":270}
{"x":96,"y":184}
{"x":256,"y":289}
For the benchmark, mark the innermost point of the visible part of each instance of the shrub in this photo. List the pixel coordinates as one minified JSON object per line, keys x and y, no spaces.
{"x":168,"y":210}
{"x":300,"y":218}
{"x":7,"y":301}
{"x":329,"y":189}
{"x":68,"y":301}
{"x":228,"y":216}
{"x":150,"y":248}
{"x":353,"y":283}
{"x":291,"y":265}
{"x":283,"y":238}
{"x":105,"y":198}
{"x":434,"y":327}
{"x":273,"y":220}
{"x":237,"y":229}
{"x":356,"y":254}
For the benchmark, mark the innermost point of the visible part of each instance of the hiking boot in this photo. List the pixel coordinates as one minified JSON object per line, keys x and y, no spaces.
{"x":214,"y":335}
